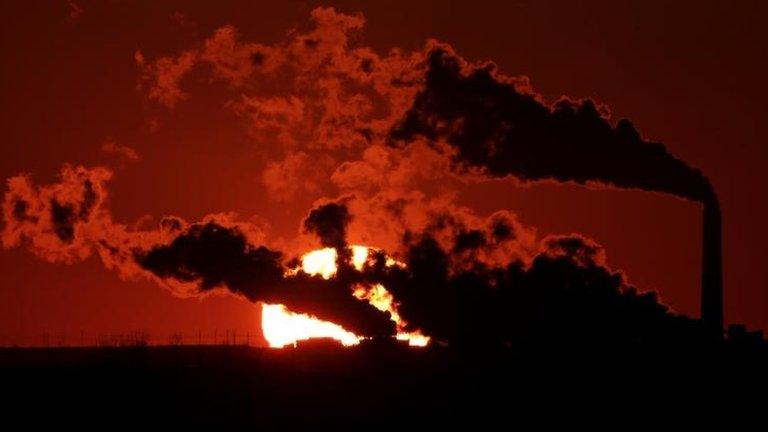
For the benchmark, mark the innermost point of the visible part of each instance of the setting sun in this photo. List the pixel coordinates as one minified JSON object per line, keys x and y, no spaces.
{"x":282,"y":327}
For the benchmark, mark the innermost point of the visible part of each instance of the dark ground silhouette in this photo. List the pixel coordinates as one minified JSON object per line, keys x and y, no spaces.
{"x":377,"y":384}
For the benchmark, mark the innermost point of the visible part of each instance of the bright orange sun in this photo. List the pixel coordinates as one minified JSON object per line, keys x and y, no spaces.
{"x":282,"y":327}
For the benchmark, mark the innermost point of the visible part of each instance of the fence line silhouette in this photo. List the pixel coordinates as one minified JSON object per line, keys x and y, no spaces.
{"x":134,"y":338}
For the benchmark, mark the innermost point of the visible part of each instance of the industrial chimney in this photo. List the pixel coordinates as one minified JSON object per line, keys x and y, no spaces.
{"x":712,"y":268}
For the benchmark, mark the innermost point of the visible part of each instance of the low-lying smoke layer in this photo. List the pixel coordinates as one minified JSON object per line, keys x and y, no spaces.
{"x":64,"y":222}
{"x":458,"y":284}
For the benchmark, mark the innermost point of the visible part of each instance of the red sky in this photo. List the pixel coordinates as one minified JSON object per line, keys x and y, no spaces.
{"x":690,"y":76}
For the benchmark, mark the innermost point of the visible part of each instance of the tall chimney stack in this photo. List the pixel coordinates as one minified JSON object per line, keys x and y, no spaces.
{"x":712,"y":268}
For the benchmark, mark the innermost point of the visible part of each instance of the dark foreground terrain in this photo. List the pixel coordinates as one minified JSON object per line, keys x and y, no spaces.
{"x":226,"y":387}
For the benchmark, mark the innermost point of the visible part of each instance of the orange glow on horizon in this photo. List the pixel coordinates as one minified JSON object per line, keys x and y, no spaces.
{"x":381,"y":299}
{"x":282,"y":327}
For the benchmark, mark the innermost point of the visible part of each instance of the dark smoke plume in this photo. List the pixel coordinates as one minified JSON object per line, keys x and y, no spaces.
{"x":494,"y":127}
{"x":214,"y":256}
{"x":329,"y":222}
{"x":65,"y":222}
{"x":565,"y":297}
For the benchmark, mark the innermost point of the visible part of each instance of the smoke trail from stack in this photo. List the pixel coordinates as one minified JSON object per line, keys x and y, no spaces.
{"x":492,"y":125}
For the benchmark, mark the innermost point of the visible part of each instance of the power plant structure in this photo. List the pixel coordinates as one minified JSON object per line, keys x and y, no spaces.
{"x":712,"y":267}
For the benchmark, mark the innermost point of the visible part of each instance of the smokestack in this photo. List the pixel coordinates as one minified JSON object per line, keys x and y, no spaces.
{"x":493,"y":126}
{"x":712,"y":268}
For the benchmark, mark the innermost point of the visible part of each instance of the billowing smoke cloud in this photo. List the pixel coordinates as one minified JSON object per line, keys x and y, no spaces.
{"x":329,"y":221}
{"x":318,"y":97}
{"x":313,"y":97}
{"x":493,"y":124}
{"x":563,"y":292}
{"x":54,"y":218}
{"x":213,"y":256}
{"x":65,"y":222}
{"x":466,"y":281}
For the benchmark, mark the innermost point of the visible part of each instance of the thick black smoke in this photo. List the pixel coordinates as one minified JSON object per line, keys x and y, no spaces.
{"x":213,"y":256}
{"x":495,"y":127}
{"x":329,"y":222}
{"x":565,"y":297}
